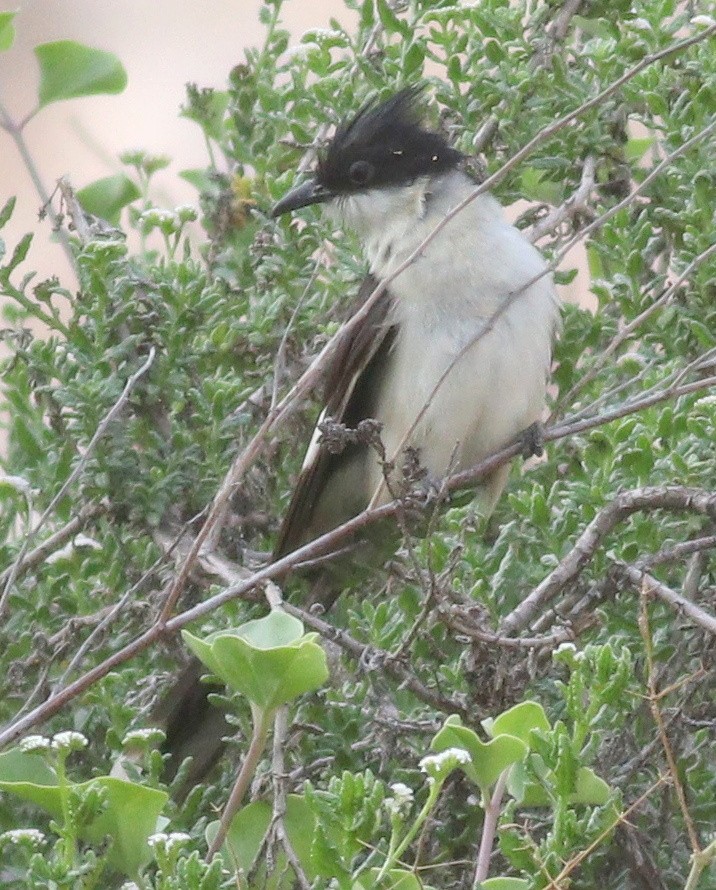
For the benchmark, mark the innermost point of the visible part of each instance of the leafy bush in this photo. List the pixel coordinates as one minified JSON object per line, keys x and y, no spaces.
{"x":151,"y":445}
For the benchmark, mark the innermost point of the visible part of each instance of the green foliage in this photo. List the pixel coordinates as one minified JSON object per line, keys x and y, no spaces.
{"x":217,"y":307}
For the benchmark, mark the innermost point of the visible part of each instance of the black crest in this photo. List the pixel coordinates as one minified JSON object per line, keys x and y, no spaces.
{"x":384,"y":144}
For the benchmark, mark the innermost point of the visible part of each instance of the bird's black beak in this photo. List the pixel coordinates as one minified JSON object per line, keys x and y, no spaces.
{"x":309,"y":192}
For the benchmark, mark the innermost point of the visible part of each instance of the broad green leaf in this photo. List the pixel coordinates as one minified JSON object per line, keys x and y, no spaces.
{"x":7,"y":30}
{"x":489,"y":759}
{"x":250,"y":824}
{"x":69,"y":70}
{"x":106,"y":197}
{"x":270,"y":660}
{"x":129,"y":817}
{"x":518,"y":721}
{"x":25,"y":766}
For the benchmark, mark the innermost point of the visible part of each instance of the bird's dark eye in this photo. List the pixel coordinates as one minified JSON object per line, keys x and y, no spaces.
{"x":361,"y":172}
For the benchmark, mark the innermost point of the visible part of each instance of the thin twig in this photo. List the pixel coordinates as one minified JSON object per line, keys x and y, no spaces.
{"x":574,"y":204}
{"x":558,"y":883}
{"x":56,"y":540}
{"x":278,"y":775}
{"x":648,"y":584}
{"x":489,"y":829}
{"x":653,"y":698}
{"x":248,"y":768}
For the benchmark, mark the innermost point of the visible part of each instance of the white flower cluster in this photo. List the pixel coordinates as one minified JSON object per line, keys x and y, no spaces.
{"x":401,"y":801}
{"x":439,"y":766}
{"x":168,"y":840}
{"x":69,"y":741}
{"x":23,"y":836}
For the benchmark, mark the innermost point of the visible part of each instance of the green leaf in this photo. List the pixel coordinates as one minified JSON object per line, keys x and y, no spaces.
{"x":390,"y":21}
{"x":270,"y":660}
{"x":200,"y":178}
{"x":248,"y":827}
{"x":7,"y":211}
{"x":588,"y":788}
{"x":518,"y":721}
{"x":129,"y":817}
{"x":106,"y":197}
{"x":489,"y":759}
{"x":20,"y":252}
{"x":69,"y":70}
{"x":7,"y":30}
{"x":395,"y":879}
{"x":504,"y":884}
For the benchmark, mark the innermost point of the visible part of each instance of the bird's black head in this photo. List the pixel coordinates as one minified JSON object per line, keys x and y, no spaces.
{"x":383,"y":145}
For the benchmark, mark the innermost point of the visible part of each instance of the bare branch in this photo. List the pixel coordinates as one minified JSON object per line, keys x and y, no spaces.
{"x":54,"y":542}
{"x":576,"y":203}
{"x":649,"y":585}
{"x":624,"y":504}
{"x":658,"y":720}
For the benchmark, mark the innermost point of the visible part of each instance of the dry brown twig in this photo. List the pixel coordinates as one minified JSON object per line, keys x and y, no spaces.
{"x":653,"y":697}
{"x":576,"y":203}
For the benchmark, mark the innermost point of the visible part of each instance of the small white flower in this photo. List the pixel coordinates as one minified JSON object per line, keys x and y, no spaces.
{"x":641,"y":25}
{"x":69,"y":741}
{"x":703,"y":21}
{"x":706,"y":400}
{"x":402,"y":792}
{"x":168,"y":840}
{"x":142,"y":736}
{"x":23,"y":835}
{"x":35,"y":743}
{"x":402,"y":800}
{"x":565,"y":647}
{"x":439,"y":766}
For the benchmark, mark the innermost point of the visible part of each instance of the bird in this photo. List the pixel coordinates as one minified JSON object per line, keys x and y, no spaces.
{"x":452,"y":360}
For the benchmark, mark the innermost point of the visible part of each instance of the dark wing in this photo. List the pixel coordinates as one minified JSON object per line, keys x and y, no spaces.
{"x":349,"y":382}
